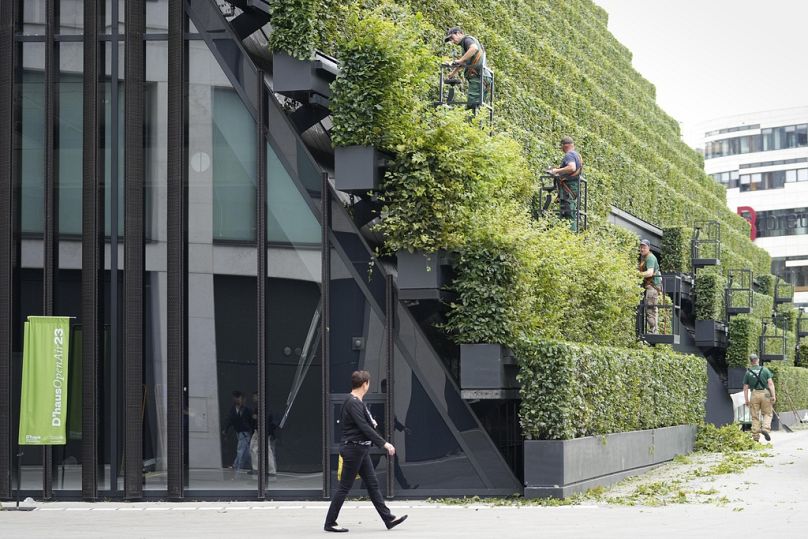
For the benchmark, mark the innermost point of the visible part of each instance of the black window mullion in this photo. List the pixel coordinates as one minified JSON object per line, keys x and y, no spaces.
{"x":51,"y":198}
{"x":92,"y":254}
{"x":177,"y":248}
{"x":325,"y":317}
{"x":134,"y":246}
{"x":9,"y":235}
{"x":261,"y":280}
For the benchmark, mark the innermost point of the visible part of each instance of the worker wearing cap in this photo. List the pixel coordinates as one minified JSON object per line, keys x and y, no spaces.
{"x":652,"y":283}
{"x":569,"y":188}
{"x":759,"y":380}
{"x":473,"y":62}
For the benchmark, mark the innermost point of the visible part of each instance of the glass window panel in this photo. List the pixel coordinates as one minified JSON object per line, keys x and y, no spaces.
{"x":155,"y":295}
{"x":768,"y":139}
{"x":32,"y":138}
{"x":733,"y":175}
{"x":791,"y":176}
{"x":33,"y":17}
{"x":776,"y":180}
{"x":157,"y":16}
{"x":221,"y":283}
{"x":71,"y":16}
{"x":70,"y":141}
{"x":119,"y":153}
{"x":802,"y":135}
{"x":745,"y":179}
{"x":289,"y":218}
{"x":802,"y":175}
{"x":233,"y":167}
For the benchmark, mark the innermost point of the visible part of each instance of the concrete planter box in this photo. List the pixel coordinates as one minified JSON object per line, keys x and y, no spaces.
{"x":422,"y":275}
{"x":358,"y":168}
{"x":294,"y":78}
{"x":561,"y":468}
{"x":488,"y":371}
{"x":787,"y":418}
{"x":735,"y":377}
{"x":711,"y":334}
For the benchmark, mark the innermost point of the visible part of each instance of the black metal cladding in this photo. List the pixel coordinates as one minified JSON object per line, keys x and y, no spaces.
{"x":325,"y":322}
{"x":51,"y":183}
{"x":9,"y":229}
{"x":92,"y":254}
{"x":261,"y":278}
{"x":134,"y":247}
{"x":177,"y":247}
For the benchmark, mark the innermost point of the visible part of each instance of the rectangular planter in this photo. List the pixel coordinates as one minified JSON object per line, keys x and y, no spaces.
{"x":561,"y":468}
{"x":735,"y":377}
{"x":293,"y":77}
{"x":358,"y":168}
{"x":487,"y":367}
{"x":422,"y":275}
{"x":711,"y":334}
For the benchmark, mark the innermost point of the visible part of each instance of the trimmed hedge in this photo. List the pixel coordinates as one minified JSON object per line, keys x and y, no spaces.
{"x":709,"y":290}
{"x":765,"y":283}
{"x":744,"y":331}
{"x":571,"y":390}
{"x":294,"y":26}
{"x":791,"y":386}
{"x":763,"y":306}
{"x":803,"y":354}
{"x":675,"y":250}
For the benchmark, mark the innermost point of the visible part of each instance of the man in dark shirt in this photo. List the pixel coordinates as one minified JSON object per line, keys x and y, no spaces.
{"x":357,"y":437}
{"x":569,"y":174}
{"x":240,"y":419}
{"x":473,"y":62}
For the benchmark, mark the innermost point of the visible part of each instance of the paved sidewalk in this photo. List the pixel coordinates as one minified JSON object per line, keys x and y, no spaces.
{"x":770,"y":499}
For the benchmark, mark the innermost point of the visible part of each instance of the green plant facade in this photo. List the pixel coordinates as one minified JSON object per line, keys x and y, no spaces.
{"x":744,"y":332}
{"x":451,"y":186}
{"x":709,"y":291}
{"x":676,"y":249}
{"x":791,"y":387}
{"x":571,"y":390}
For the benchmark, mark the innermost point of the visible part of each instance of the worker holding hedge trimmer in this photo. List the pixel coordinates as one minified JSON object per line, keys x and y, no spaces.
{"x":760,"y":380}
{"x":473,"y":62}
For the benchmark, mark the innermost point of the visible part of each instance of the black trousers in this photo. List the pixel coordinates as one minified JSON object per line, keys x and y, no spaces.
{"x":355,"y":459}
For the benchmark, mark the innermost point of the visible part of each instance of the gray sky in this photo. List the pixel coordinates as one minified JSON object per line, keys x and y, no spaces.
{"x":712,"y":58}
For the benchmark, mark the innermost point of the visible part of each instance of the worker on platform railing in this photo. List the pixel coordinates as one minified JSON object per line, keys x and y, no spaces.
{"x":569,"y":184}
{"x":473,"y":62}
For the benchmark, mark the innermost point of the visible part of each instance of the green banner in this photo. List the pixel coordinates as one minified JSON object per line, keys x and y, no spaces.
{"x":43,"y":404}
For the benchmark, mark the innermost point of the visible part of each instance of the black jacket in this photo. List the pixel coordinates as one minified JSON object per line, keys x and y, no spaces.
{"x":241,"y":422}
{"x":356,"y":425}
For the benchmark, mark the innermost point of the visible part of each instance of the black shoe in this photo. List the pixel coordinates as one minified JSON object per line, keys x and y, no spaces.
{"x":766,"y":435}
{"x":334,"y":528}
{"x":395,"y":522}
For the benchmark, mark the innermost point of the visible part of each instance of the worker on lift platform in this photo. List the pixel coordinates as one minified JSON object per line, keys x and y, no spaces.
{"x":473,"y":63}
{"x":569,"y":184}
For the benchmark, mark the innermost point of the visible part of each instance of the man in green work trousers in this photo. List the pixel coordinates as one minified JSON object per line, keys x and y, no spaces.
{"x":569,"y":185}
{"x":652,"y":283}
{"x":474,"y":64}
{"x":760,"y":380}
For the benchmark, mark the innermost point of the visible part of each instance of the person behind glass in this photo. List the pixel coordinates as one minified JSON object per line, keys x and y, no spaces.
{"x":357,"y":437}
{"x":271,"y":430}
{"x":240,"y":419}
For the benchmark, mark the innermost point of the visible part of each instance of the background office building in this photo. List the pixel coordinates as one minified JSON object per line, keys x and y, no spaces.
{"x":153,"y":186}
{"x":762,"y":159}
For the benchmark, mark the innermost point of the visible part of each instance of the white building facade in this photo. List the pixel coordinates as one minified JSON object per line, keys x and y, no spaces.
{"x":762,"y":159}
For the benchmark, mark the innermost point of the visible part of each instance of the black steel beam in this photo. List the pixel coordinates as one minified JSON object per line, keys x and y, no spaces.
{"x":134,"y":247}
{"x":261,"y":278}
{"x":92,"y":254}
{"x":325,"y":316}
{"x":9,"y":235}
{"x":177,"y":248}
{"x":51,"y":196}
{"x":390,"y":351}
